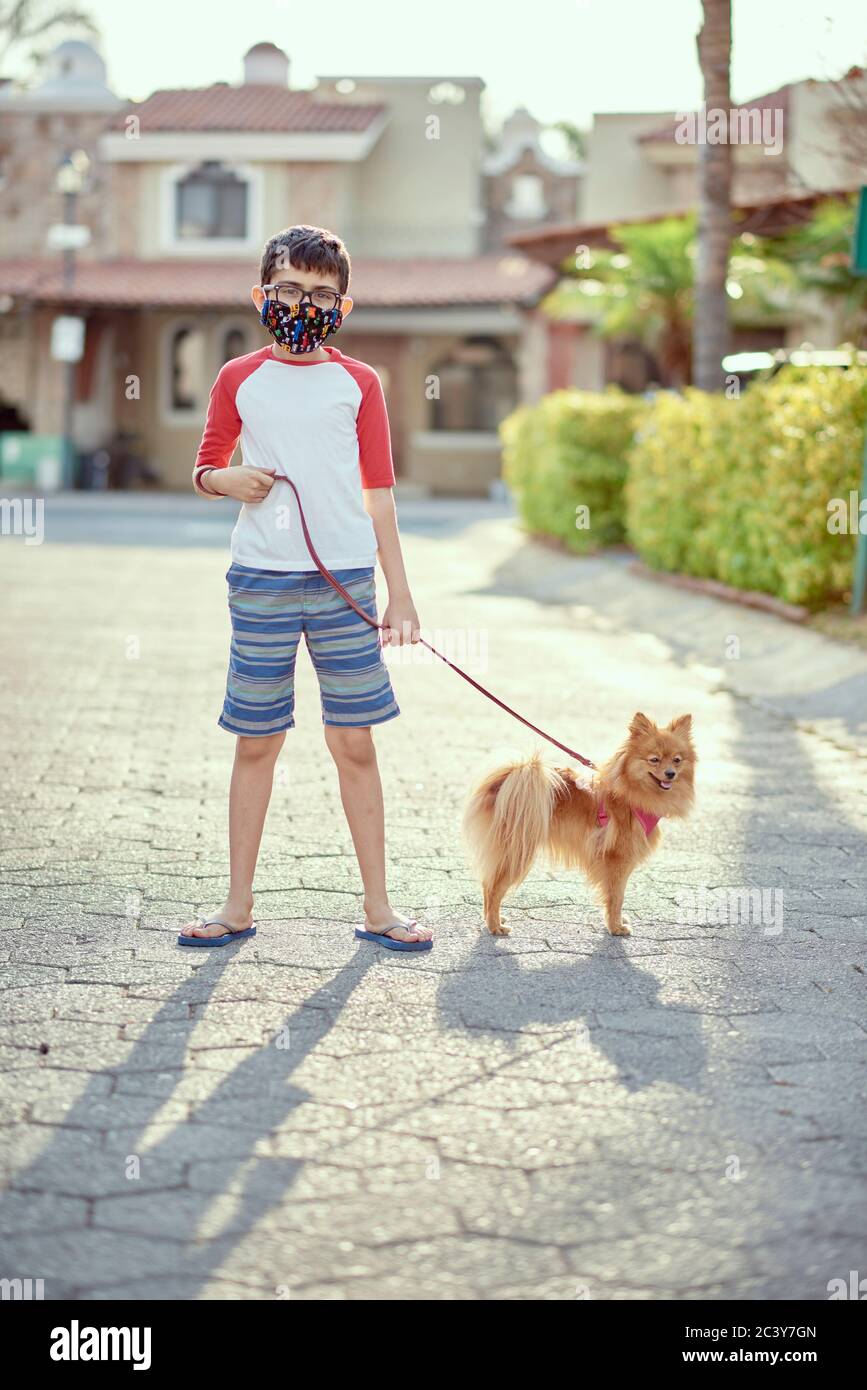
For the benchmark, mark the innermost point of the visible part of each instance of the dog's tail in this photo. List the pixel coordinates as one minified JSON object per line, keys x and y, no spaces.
{"x":507,"y":818}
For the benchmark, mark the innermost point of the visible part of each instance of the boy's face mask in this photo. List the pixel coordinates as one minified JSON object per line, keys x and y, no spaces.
{"x":299,"y":327}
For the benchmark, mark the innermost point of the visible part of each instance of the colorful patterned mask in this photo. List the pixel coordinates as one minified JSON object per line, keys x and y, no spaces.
{"x":299,"y":327}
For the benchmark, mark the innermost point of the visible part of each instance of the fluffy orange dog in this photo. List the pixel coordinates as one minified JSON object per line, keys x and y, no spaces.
{"x":605,"y":827}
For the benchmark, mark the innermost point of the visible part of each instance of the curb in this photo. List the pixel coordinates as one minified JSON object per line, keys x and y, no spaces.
{"x":714,"y":588}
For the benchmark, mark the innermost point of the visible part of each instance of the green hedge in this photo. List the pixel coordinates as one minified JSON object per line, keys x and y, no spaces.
{"x":570,"y":450}
{"x":738,"y":490}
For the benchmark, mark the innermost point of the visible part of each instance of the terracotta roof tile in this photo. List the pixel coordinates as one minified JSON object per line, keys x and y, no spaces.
{"x":508,"y":278}
{"x":770,"y":216}
{"x":254,"y":107}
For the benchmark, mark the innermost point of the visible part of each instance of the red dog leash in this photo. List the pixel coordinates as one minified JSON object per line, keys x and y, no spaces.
{"x":335,"y":584}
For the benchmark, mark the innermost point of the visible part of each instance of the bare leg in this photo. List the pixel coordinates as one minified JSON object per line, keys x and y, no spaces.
{"x":249,"y":794}
{"x":361,"y":793}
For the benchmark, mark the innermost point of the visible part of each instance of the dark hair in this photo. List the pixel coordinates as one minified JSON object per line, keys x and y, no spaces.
{"x":308,"y":248}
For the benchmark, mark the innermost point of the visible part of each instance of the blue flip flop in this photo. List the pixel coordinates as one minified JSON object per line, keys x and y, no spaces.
{"x":215,"y":940}
{"x":389,"y":942}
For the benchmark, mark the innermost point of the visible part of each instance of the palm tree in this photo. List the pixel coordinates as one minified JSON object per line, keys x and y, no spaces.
{"x":642,"y":290}
{"x":711,"y":327}
{"x":818,"y":255}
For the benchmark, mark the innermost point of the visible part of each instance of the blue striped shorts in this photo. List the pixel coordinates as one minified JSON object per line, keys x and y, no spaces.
{"x":270,"y":609}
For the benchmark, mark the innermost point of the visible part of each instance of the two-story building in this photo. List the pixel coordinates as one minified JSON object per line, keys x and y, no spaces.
{"x":180,"y":192}
{"x":791,"y":148}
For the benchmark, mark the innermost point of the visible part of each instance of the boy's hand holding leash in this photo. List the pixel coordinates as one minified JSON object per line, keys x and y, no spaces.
{"x":244,"y":484}
{"x":400,"y":623}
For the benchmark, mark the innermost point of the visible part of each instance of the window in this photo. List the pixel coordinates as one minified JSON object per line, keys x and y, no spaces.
{"x":478,"y":386}
{"x":233,"y":343}
{"x":210,"y":202}
{"x":527,"y":197}
{"x":187,"y":385}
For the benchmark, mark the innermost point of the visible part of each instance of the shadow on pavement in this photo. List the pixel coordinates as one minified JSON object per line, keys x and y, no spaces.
{"x":792,"y":669}
{"x":503,"y":993}
{"x":261,"y":1094}
{"x":797,"y":1020}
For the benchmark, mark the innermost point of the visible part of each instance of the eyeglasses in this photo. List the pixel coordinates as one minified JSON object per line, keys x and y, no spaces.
{"x":287,"y":293}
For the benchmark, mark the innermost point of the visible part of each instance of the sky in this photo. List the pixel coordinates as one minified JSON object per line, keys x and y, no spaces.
{"x":563,"y":59}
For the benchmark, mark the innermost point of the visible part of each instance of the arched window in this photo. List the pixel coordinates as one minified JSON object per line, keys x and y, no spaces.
{"x":188,"y":390}
{"x":233,"y":343}
{"x":210,"y":202}
{"x":477,"y":386}
{"x":527,"y":197}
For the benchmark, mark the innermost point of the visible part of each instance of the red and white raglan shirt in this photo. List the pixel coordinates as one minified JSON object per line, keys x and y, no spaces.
{"x":322,"y":424}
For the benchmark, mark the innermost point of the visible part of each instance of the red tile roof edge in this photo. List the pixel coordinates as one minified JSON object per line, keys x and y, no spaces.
{"x":253,"y":107}
{"x":459,"y":283}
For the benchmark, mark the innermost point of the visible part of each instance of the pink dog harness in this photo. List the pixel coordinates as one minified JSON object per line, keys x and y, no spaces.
{"x":648,"y":821}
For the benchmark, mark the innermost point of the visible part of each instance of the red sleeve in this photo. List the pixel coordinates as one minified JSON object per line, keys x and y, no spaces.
{"x":374,"y":436}
{"x":222,"y":428}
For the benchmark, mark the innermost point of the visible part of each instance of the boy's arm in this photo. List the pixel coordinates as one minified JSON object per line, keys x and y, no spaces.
{"x":400,"y":621}
{"x":212,"y":476}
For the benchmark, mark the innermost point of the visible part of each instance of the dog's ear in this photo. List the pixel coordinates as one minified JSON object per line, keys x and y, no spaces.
{"x":681,"y":725}
{"x":640,"y":724}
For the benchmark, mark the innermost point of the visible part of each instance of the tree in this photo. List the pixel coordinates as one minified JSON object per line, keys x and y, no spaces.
{"x":575,"y":138}
{"x":642,"y":290}
{"x":29,"y":21}
{"x":849,"y":119}
{"x":711,"y":328}
{"x":817,"y":256}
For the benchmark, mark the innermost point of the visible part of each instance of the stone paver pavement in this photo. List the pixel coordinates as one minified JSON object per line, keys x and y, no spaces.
{"x":553,"y":1116}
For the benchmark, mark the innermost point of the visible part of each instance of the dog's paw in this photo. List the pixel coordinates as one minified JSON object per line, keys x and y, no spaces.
{"x":500,"y":930}
{"x":620,"y":929}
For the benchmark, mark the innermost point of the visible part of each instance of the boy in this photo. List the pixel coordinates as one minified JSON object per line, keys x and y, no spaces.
{"x":305,"y":411}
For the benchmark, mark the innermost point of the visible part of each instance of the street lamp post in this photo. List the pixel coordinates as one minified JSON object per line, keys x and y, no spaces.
{"x":70,"y":179}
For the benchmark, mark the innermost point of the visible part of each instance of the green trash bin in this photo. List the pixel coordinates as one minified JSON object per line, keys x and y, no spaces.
{"x":34,"y":461}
